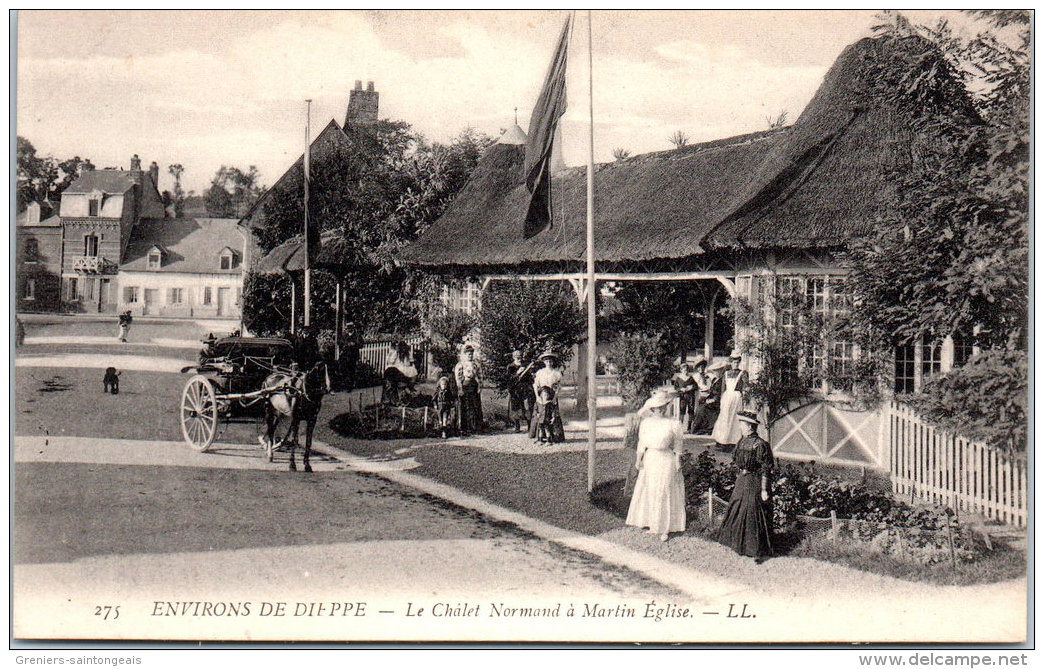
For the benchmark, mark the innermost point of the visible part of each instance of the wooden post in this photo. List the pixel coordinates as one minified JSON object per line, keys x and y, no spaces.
{"x":833,"y":524}
{"x":377,"y":417}
{"x":708,"y":329}
{"x":953,"y":554}
{"x":293,"y":306}
{"x":425,"y":419}
{"x":402,"y":425}
{"x":338,"y":320}
{"x":710,"y":506}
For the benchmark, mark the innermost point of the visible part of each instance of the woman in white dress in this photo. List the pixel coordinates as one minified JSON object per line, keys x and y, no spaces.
{"x":658,"y":502}
{"x":727,"y":430}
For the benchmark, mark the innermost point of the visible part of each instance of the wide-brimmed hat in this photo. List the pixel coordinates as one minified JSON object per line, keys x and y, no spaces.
{"x":748,"y":417}
{"x":660,"y":397}
{"x":700,"y":360}
{"x":549,"y":354}
{"x":468,"y":347}
{"x":735,"y":355}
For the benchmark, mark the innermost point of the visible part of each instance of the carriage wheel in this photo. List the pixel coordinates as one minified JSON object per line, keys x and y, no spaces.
{"x":199,"y":413}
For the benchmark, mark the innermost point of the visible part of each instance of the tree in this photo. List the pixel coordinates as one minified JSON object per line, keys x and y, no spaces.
{"x":672,"y":311}
{"x":952,"y":255}
{"x":232,"y":192}
{"x":678,"y":139}
{"x":176,"y":170}
{"x":375,"y":200}
{"x":43,"y":178}
{"x":530,"y":316}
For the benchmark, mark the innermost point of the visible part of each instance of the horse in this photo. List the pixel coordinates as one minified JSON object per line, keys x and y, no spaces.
{"x":298,"y":396}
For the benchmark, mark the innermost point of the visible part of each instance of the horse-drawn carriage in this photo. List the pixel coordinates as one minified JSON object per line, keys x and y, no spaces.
{"x":250,"y":377}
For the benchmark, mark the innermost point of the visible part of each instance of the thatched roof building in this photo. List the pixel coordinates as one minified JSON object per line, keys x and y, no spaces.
{"x":814,"y":184}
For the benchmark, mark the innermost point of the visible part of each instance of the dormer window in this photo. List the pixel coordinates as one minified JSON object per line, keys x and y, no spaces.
{"x":229,"y":258}
{"x":94,"y":202}
{"x":155,"y":258}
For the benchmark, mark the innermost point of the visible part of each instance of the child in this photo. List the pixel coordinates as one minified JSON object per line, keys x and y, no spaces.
{"x":546,"y":415}
{"x":443,"y":402}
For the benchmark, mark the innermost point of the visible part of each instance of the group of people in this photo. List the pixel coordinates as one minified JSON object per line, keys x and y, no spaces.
{"x":463,"y":400}
{"x":700,"y":393}
{"x":533,"y":397}
{"x":658,"y":501}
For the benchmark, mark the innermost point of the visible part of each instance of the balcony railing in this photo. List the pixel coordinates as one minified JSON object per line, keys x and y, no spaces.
{"x":94,"y":265}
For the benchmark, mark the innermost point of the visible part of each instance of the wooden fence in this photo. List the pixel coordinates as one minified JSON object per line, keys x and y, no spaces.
{"x":945,"y":469}
{"x":377,"y":354}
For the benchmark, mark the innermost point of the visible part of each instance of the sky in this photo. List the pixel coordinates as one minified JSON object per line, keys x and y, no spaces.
{"x":209,"y":88}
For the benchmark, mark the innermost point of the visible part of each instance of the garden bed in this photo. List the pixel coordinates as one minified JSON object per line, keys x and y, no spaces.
{"x":846,"y":522}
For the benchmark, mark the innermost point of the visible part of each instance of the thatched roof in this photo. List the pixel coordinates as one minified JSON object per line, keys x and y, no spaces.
{"x":814,"y":184}
{"x":289,"y":256}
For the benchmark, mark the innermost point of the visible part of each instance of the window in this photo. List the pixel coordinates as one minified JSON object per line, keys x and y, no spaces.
{"x":239,"y":295}
{"x":931,"y":360}
{"x":916,"y":364}
{"x":466,"y":297}
{"x":31,"y":250}
{"x":842,"y":357}
{"x":130,"y":294}
{"x":206,"y":295}
{"x":155,"y":260}
{"x":90,"y":246}
{"x":816,"y":294}
{"x":88,"y":285}
{"x":905,"y":369}
{"x":93,"y":206}
{"x":175,"y":296}
{"x":29,"y":291}
{"x":963,"y":349}
{"x":72,"y":295}
{"x":226,"y":259}
{"x":788,"y":291}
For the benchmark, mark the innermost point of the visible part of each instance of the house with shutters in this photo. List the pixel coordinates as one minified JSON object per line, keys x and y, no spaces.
{"x":98,"y":213}
{"x":185,"y":268}
{"x":113,"y":247}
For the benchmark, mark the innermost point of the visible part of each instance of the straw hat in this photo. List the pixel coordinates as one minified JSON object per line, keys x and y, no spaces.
{"x":747,"y":417}
{"x":700,"y":360}
{"x":549,"y":354}
{"x":660,"y":397}
{"x":735,"y":355}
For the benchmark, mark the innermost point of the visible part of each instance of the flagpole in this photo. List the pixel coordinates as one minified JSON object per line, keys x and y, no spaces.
{"x":307,"y":247}
{"x":592,"y":331}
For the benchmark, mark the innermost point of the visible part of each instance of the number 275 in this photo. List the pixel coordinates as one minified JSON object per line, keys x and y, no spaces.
{"x":105,"y":612}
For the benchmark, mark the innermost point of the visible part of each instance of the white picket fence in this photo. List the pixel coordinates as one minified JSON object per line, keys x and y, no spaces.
{"x":377,"y":354}
{"x":941,"y":468}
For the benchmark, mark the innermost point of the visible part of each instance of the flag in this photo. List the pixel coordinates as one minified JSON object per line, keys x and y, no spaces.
{"x":542,"y":124}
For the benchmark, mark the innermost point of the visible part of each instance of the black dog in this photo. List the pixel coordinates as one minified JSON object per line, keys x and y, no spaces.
{"x":112,"y":381}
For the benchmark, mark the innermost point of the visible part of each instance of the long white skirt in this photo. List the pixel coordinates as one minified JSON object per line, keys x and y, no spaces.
{"x":727,"y":428}
{"x":659,"y":494}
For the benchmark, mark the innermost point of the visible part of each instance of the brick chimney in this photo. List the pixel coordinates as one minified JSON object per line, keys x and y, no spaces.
{"x":135,"y":163}
{"x":154,"y":173}
{"x":362,"y":106}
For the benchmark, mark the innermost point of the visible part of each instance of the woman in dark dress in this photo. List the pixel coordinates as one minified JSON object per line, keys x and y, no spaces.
{"x":747,"y":527}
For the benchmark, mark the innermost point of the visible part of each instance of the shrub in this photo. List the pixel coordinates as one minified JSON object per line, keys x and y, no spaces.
{"x":984,"y":400}
{"x":530,"y":316}
{"x":643,"y":362}
{"x":448,"y":330}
